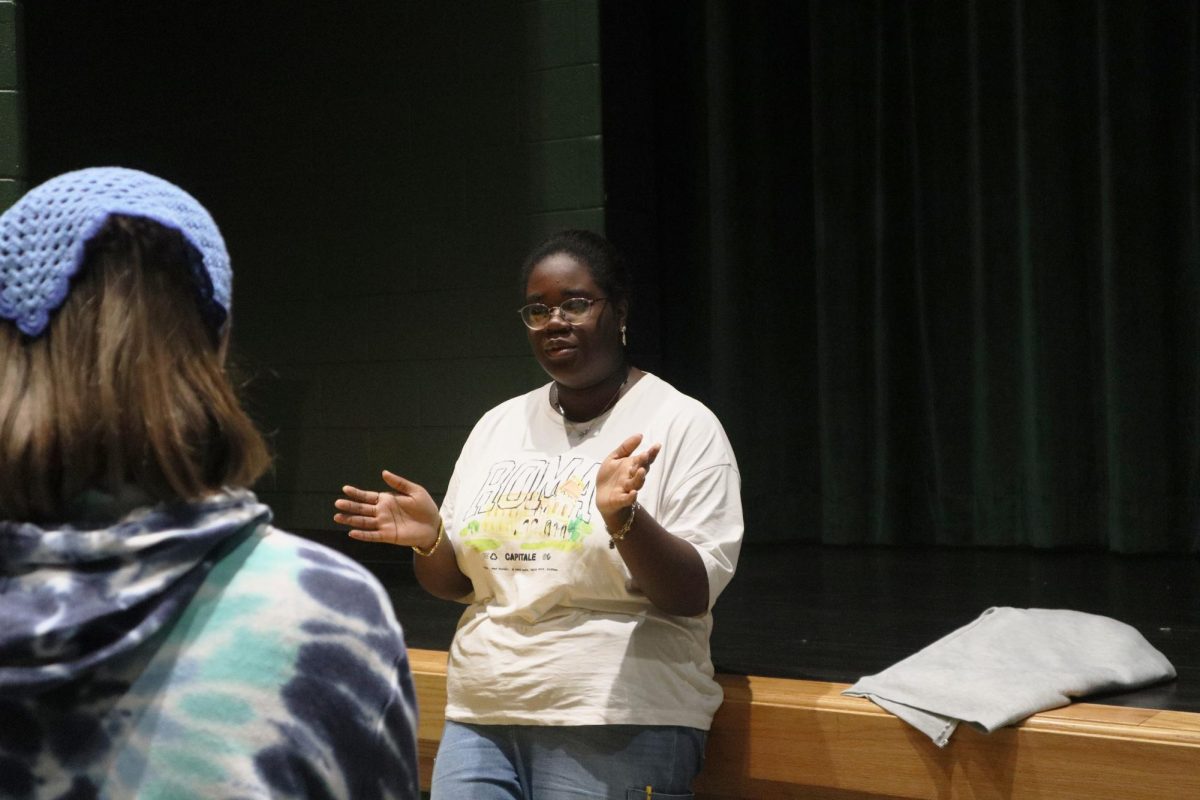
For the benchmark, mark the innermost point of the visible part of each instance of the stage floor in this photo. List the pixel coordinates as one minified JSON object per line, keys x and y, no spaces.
{"x":837,"y":613}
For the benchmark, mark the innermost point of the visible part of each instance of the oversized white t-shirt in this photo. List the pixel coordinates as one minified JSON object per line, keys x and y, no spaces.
{"x":556,"y":632}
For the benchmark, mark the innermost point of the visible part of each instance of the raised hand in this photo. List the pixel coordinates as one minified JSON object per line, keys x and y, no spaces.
{"x":405,"y":516}
{"x":622,"y":475}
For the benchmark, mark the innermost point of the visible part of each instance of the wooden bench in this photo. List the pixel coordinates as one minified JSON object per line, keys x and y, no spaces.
{"x":776,"y":738}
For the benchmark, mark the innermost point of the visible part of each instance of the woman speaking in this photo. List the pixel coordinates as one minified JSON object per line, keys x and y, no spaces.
{"x":589,"y":526}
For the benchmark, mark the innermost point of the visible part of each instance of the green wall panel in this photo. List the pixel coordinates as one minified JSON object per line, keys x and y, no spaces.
{"x":378,"y":175}
{"x":562,"y":32}
{"x":8,"y":45}
{"x":562,"y":103}
{"x":10,"y":190}
{"x":566,"y":174}
{"x":11,"y":132}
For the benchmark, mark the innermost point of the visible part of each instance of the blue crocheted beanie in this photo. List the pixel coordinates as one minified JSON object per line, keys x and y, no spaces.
{"x":43,"y":238}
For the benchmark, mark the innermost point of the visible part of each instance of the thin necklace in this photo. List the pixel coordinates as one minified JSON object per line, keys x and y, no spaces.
{"x":562,"y":412}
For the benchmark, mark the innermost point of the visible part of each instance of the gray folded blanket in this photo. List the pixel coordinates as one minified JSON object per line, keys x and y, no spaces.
{"x":1011,"y":663}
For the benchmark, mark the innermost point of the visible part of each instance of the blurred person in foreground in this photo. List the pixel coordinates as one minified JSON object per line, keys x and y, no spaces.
{"x":158,"y":637}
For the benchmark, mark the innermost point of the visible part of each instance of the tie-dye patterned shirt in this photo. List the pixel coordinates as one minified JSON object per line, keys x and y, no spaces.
{"x":193,"y":651}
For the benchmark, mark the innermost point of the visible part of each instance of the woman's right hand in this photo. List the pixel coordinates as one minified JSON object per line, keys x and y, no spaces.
{"x":406,"y":516}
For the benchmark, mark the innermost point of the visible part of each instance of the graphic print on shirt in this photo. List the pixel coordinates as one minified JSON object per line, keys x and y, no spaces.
{"x":540,"y":504}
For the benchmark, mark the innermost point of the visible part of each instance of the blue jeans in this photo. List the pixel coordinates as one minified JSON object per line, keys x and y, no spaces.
{"x":545,"y":762}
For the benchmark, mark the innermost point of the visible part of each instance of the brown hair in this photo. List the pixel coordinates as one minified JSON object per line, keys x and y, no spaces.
{"x":126,"y":387}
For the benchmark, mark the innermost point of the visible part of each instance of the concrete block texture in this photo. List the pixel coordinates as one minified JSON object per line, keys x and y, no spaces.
{"x":379,"y":171}
{"x":9,"y":38}
{"x":562,"y":33}
{"x":11,"y":135}
{"x":562,"y":103}
{"x":566,"y":174}
{"x":10,"y":191}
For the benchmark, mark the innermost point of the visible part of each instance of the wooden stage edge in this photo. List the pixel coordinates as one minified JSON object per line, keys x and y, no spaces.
{"x":778,"y":738}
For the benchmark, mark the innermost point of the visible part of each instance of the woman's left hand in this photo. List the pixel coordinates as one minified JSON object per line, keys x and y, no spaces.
{"x":621,"y":475}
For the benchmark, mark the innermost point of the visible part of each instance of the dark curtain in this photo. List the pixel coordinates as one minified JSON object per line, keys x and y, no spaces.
{"x":935,"y":265}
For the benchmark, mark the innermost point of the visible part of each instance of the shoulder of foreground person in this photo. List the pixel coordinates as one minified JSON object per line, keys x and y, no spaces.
{"x":312,"y":634}
{"x":321,"y":579}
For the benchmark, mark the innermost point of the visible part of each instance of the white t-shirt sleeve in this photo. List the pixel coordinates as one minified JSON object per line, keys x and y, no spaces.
{"x":701,"y":497}
{"x":706,"y":510}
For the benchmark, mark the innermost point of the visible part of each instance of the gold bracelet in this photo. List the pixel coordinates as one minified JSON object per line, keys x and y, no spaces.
{"x":613,"y":538}
{"x":436,"y":542}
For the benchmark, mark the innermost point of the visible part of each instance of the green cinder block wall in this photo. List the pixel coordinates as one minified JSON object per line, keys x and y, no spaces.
{"x":391,"y":365}
{"x":378,"y":170}
{"x":12,"y":135}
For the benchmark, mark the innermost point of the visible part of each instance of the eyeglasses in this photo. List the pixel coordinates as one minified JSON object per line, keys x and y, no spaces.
{"x":573,"y":310}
